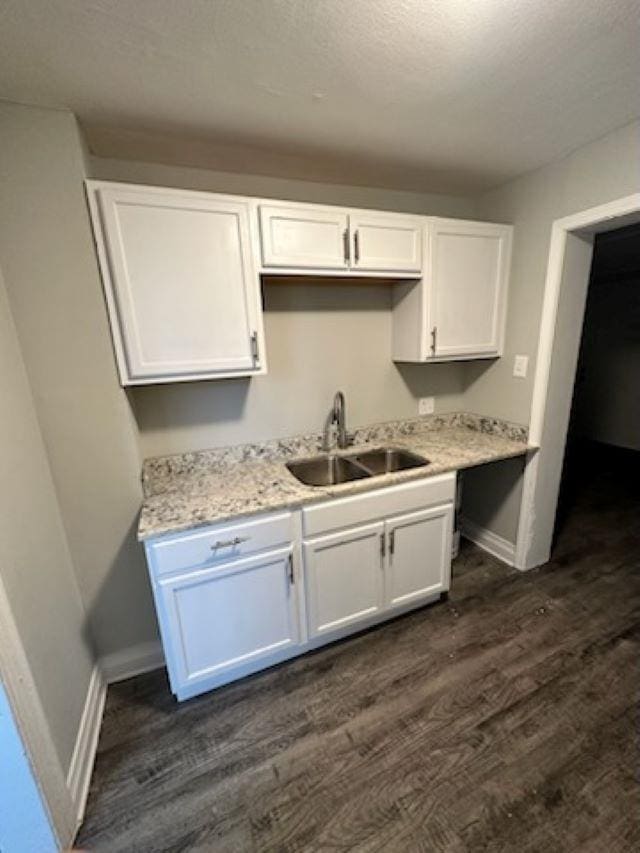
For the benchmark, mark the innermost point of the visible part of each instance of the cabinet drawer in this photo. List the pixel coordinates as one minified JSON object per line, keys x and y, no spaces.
{"x":357,"y":509}
{"x":211,"y":545}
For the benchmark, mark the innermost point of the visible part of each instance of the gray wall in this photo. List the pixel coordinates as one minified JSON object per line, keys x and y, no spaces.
{"x":319,"y":337}
{"x":35,"y":563}
{"x":592,"y":175}
{"x":93,"y":441}
{"x":54,"y":289}
{"x":95,"y":435}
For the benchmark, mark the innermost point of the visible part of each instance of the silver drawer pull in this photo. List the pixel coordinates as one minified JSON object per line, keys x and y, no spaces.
{"x":229,"y":543}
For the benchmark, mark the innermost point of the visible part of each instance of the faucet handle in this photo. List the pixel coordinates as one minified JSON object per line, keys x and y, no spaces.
{"x":329,"y":436}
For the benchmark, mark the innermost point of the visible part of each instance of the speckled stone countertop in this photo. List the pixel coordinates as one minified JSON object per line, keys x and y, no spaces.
{"x":194,"y":489}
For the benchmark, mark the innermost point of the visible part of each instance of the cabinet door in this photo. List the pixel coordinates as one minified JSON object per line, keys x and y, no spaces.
{"x":344,"y":577}
{"x":386,"y":242}
{"x":304,"y":237}
{"x":419,"y":555}
{"x":469,"y":269}
{"x":228,"y":616}
{"x":181,"y":287}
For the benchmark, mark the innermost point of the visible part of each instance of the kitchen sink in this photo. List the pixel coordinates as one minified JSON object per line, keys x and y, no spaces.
{"x":327,"y":470}
{"x":330,"y":470}
{"x":384,"y":460}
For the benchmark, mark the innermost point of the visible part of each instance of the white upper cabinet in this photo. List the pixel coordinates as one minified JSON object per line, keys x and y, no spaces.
{"x":181,"y":273}
{"x":350,"y":242}
{"x":457,"y":310}
{"x":181,"y":286}
{"x":468,"y":270}
{"x":302,"y":237}
{"x":386,"y":242}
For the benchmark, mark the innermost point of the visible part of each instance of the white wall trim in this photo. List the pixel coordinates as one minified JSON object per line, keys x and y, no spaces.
{"x":114,"y":667}
{"x":33,"y":726}
{"x":488,"y":541}
{"x":132,"y":661}
{"x":604,"y":217}
{"x":84,"y":752}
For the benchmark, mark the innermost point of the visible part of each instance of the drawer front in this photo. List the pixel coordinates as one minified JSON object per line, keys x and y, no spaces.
{"x":211,"y":545}
{"x":385,"y":502}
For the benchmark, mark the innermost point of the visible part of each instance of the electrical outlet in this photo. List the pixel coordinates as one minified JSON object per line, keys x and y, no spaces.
{"x":426,"y":405}
{"x":520,"y":365}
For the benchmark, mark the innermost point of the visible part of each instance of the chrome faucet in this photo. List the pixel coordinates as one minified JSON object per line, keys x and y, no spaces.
{"x":339,"y":418}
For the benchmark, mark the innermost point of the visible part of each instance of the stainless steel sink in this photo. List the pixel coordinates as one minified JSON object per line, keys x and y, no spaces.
{"x":384,"y":460}
{"x":330,"y":470}
{"x":327,"y":470}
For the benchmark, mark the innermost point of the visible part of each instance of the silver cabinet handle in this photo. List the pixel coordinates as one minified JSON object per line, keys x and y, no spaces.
{"x":434,"y":337}
{"x":292,"y":577}
{"x":383,"y":546}
{"x":255,"y":354}
{"x":229,"y":543}
{"x":356,"y":246}
{"x":392,"y":543}
{"x":345,"y":245}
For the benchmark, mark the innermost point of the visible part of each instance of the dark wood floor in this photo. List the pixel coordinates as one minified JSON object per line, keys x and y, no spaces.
{"x":504,"y":719}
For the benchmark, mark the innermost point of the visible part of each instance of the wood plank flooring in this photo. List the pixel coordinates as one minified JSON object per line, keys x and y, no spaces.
{"x":504,"y":719}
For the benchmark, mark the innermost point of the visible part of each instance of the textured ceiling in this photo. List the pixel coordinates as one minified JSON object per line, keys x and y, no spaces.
{"x":441,"y":95}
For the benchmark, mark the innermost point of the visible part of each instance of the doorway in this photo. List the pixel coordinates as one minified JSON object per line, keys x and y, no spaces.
{"x":602,"y":454}
{"x":566,"y":284}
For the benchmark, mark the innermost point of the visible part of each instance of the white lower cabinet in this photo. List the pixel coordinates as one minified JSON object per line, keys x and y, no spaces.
{"x":238,"y":597}
{"x":344,"y":577}
{"x":419,"y":549}
{"x":227,"y":618}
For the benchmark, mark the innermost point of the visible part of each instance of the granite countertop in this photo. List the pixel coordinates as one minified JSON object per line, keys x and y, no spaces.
{"x":190,"y":490}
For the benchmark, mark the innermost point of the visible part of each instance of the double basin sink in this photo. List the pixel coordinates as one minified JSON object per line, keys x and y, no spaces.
{"x":330,"y":469}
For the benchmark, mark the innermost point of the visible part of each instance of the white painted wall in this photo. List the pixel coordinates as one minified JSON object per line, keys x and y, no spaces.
{"x":594,"y":174}
{"x":35,"y":563}
{"x":24,"y":822}
{"x":320,"y":337}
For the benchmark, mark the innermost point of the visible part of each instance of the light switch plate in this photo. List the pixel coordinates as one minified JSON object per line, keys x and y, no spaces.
{"x":520,"y":365}
{"x":426,"y":405}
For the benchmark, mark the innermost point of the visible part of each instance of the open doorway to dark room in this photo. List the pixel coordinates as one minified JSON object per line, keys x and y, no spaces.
{"x":602,"y":457}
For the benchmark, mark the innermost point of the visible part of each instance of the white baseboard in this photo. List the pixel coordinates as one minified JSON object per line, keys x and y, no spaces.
{"x":488,"y":541}
{"x":84,"y":752}
{"x":133,"y":661}
{"x":115,"y":667}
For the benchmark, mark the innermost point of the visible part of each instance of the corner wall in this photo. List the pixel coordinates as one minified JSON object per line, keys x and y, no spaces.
{"x":54,"y":290}
{"x":35,"y":564}
{"x":594,"y":174}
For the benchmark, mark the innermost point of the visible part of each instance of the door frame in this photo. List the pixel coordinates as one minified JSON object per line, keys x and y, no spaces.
{"x":566,"y":284}
{"x":32,"y":724}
